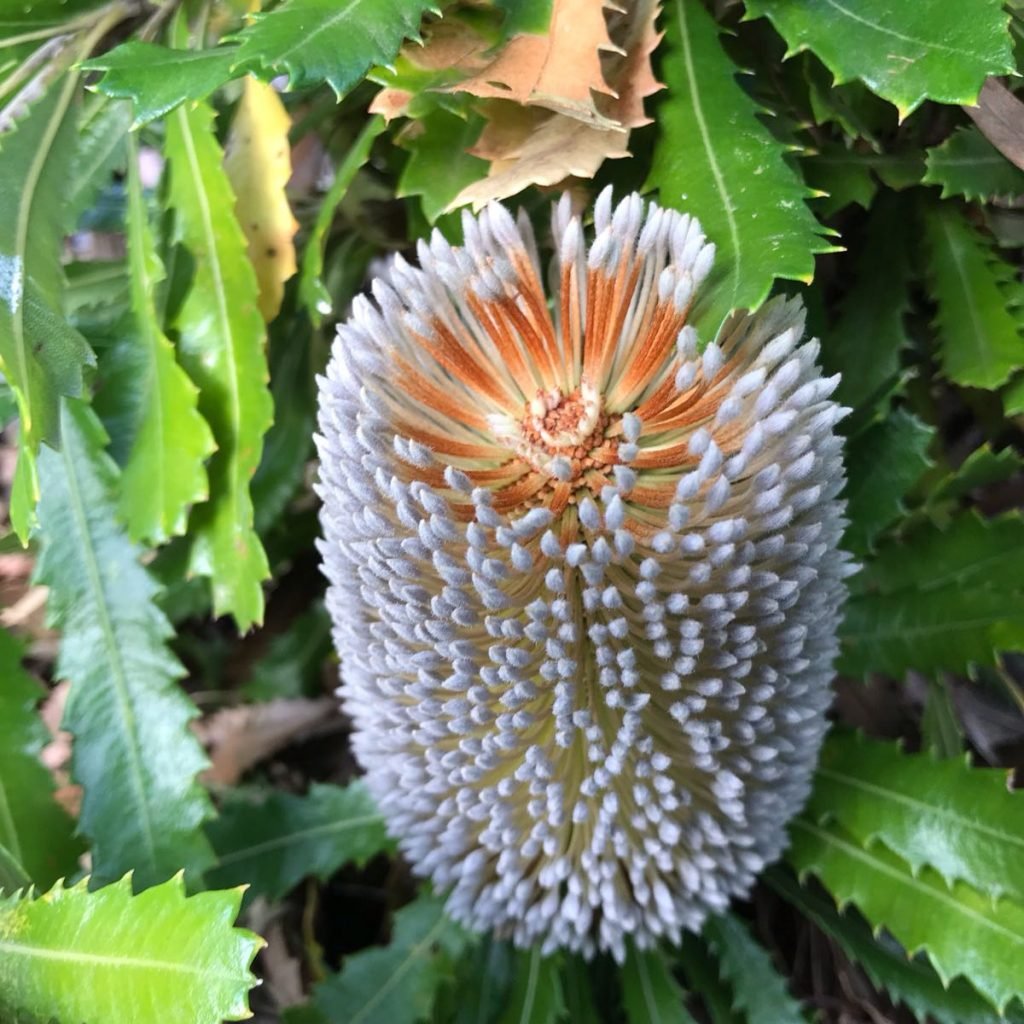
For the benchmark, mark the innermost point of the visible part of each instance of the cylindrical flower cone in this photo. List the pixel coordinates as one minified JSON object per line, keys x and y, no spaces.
{"x":584,"y":578}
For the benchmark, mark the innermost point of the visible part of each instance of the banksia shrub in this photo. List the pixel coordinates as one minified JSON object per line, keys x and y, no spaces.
{"x":584,"y":576}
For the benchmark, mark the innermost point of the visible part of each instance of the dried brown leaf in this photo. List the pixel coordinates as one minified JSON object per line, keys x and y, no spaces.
{"x":239,"y":738}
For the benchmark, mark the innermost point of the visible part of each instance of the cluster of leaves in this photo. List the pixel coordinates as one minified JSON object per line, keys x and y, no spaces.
{"x":178,"y":234}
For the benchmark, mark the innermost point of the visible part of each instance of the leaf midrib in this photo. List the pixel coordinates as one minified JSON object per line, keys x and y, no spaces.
{"x":279,"y":842}
{"x":909,"y":801}
{"x":118,"y":673}
{"x":906,"y":879}
{"x":414,"y":953}
{"x":892,"y":33}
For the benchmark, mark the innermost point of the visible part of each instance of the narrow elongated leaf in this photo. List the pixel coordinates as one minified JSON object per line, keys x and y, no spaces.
{"x":312,"y":292}
{"x":157,"y":79}
{"x":273,"y":845}
{"x":222,"y":346}
{"x":134,"y":755}
{"x":650,"y":994}
{"x":883,"y":463}
{"x":759,"y":990}
{"x":258,"y":162}
{"x":908,"y":980}
{"x":314,"y":41}
{"x":940,"y":599}
{"x":964,"y":822}
{"x":906,"y":53}
{"x":578,"y":991}
{"x":979,"y":338}
{"x":962,"y":931}
{"x":40,"y":356}
{"x":864,"y":344}
{"x":716,"y":160}
{"x":395,"y":984}
{"x":482,"y":981}
{"x":33,"y":828}
{"x":165,"y":473}
{"x":968,"y":165}
{"x":536,"y":996}
{"x":155,"y":958}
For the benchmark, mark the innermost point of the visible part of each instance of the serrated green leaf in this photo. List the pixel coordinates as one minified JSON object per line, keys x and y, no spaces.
{"x":102,"y":150}
{"x":155,"y":958}
{"x":482,"y":981}
{"x":578,"y":991}
{"x":865,"y":342}
{"x":33,"y":827}
{"x":312,"y":293}
{"x":961,"y":821}
{"x":968,"y":165}
{"x":314,"y":41}
{"x":274,"y":844}
{"x":40,"y":355}
{"x":133,"y":754}
{"x":704,"y":978}
{"x":165,"y":473}
{"x":13,"y":877}
{"x":439,"y":165}
{"x":157,"y":79}
{"x":981,"y":468}
{"x":883,"y":463}
{"x":840,"y":181}
{"x":716,"y":160}
{"x":979,"y":338}
{"x":911,"y":981}
{"x":962,"y":931}
{"x":650,"y":995}
{"x":904,"y":52}
{"x":221,"y":345}
{"x":758,"y":989}
{"x":536,"y":996}
{"x":396,"y":984}
{"x":1013,"y":397}
{"x":938,"y":600}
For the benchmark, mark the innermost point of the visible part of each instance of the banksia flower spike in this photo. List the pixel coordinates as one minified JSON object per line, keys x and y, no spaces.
{"x":584,"y":577}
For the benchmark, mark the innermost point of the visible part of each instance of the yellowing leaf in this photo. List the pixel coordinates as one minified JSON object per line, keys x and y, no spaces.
{"x":257,"y":159}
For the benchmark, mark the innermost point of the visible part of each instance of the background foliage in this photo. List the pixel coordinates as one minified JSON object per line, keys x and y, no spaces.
{"x":190,"y":196}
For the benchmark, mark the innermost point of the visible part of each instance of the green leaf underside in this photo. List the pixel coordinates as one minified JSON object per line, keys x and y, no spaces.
{"x":758,"y":988}
{"x":715,"y":160}
{"x":865,"y":343}
{"x":536,"y":996}
{"x":439,"y":165}
{"x":961,"y":821}
{"x":979,"y":338}
{"x":396,"y":983}
{"x":312,"y":292}
{"x":133,"y":754}
{"x":938,"y":599}
{"x":968,"y":165}
{"x":962,"y":931}
{"x":904,"y":52}
{"x":273,"y":845}
{"x":165,"y":473}
{"x":911,"y":981}
{"x":650,"y":995}
{"x":40,"y":356}
{"x":33,"y":828}
{"x":157,"y":79}
{"x":883,"y":463}
{"x":155,"y":958}
{"x":102,"y":134}
{"x":221,"y":345}
{"x":333,"y":41}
